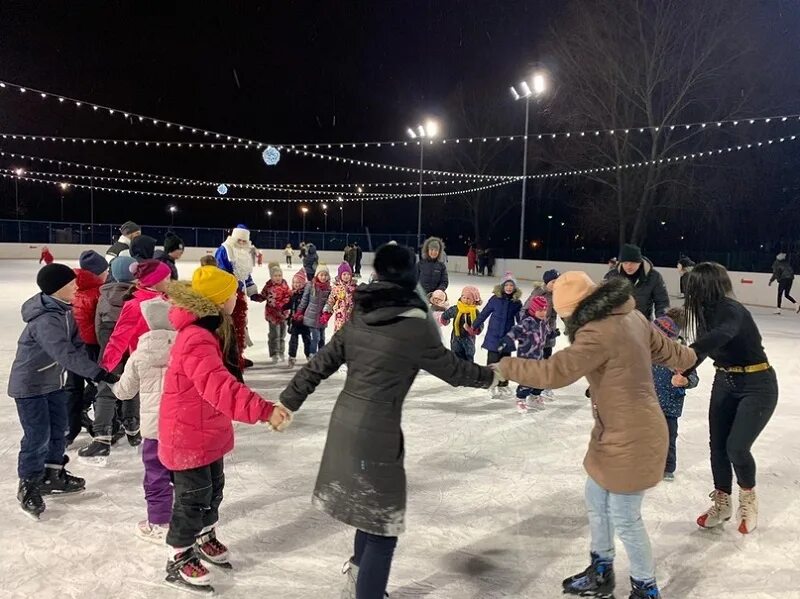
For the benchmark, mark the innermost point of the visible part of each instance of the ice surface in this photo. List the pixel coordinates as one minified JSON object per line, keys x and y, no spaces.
{"x":495,"y":498}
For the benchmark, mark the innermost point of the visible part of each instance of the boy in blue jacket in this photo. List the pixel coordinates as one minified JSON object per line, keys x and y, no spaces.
{"x":48,"y":347}
{"x":671,"y":388}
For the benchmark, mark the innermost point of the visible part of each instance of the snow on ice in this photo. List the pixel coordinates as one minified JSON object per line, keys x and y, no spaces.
{"x":495,"y":498}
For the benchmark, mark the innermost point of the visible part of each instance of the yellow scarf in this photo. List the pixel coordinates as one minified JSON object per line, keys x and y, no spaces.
{"x":463,"y":309}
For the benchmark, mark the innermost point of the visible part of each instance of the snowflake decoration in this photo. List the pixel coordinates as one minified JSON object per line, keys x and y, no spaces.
{"x":222,"y":189}
{"x":271,"y":156}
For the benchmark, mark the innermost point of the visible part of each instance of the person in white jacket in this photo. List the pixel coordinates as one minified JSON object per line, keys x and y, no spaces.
{"x":144,"y":375}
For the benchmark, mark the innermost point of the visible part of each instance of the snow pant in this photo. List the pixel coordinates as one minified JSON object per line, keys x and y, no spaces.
{"x":299,"y":330}
{"x":157,"y":485}
{"x":109,"y":412}
{"x":288,"y":260}
{"x":373,"y":556}
{"x":239,"y":317}
{"x":198,"y":495}
{"x":493,"y":357}
{"x":277,"y":339}
{"x":619,"y":513}
{"x":741,"y":405}
{"x":317,"y":336}
{"x":43,"y":419}
{"x":784,"y":289}
{"x":672,"y":452}
{"x":525,"y":392}
{"x":463,"y":347}
{"x":81,"y":393}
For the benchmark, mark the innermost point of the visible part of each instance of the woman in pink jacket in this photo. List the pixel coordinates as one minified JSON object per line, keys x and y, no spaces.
{"x":203,"y":394}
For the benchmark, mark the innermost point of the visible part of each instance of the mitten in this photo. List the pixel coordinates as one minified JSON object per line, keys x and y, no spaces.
{"x":324,"y":318}
{"x":298,"y":316}
{"x":469,"y":330}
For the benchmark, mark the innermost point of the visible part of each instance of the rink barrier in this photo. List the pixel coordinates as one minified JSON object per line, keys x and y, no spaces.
{"x":750,"y":287}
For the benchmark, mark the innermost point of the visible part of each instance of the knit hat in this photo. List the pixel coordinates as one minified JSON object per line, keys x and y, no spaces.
{"x":397,"y":264}
{"x":550,"y":275}
{"x":630,"y":253}
{"x":241,"y":233}
{"x":322,"y":267}
{"x":121,"y":269}
{"x":172,"y":242}
{"x":343,"y":268}
{"x":129,"y":227}
{"x":93,"y":262}
{"x":508,"y":278}
{"x":53,"y":277}
{"x":214,"y":284}
{"x":150,"y":272}
{"x":143,"y":247}
{"x":275,"y":268}
{"x":570,"y":289}
{"x":470,"y":292}
{"x":538,"y":304}
{"x":300,"y":279}
{"x":667,"y":326}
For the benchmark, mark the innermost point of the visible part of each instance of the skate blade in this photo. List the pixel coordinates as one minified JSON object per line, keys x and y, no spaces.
{"x":226,"y":566}
{"x":64,"y":493}
{"x":96,"y":461}
{"x":594,"y":594}
{"x":32,"y":515}
{"x":204,"y":590}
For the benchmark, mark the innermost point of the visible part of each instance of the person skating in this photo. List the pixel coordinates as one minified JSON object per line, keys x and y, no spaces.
{"x":172,"y":252}
{"x":649,"y":289}
{"x":361,"y":480}
{"x":297,"y":330}
{"x":276,"y":294}
{"x":312,"y":307}
{"x":48,"y":346}
{"x":472,"y":261}
{"x":744,"y":394}
{"x":546,"y":290}
{"x":359,"y":258}
{"x":310,"y":261}
{"x":143,"y":248}
{"x":46,"y":256}
{"x":340,"y":300}
{"x":203,"y":394}
{"x":431,"y":269}
{"x":288,"y":252}
{"x":122,"y":246}
{"x":463,"y":315}
{"x":628,"y":445}
{"x":685,"y":266}
{"x":783,"y":273}
{"x":144,"y":376}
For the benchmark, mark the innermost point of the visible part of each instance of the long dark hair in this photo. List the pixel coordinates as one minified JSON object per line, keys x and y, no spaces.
{"x":706,"y":286}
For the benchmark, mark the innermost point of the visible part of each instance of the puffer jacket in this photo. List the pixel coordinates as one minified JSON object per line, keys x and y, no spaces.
{"x":201,"y":396}
{"x":552,"y":316}
{"x":48,"y":346}
{"x":340,"y":303}
{"x":130,"y":326}
{"x":781,"y":270}
{"x":504,"y":311}
{"x":276,"y":296}
{"x":109,"y":307}
{"x":84,"y":305}
{"x":389,"y":339}
{"x":532,"y":335}
{"x":432,"y":274}
{"x":613,"y":346}
{"x":671,"y":398}
{"x":144,"y":372}
{"x":310,"y":261}
{"x":315,"y":297}
{"x":649,"y":289}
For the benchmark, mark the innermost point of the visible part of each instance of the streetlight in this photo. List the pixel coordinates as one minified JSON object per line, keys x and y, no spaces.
{"x":172,"y":210}
{"x":63,"y":187}
{"x":341,"y":211}
{"x":18,"y":172}
{"x":539,"y":85}
{"x":269,"y":219}
{"x":429,"y":129}
{"x":304,"y":210}
{"x":325,"y":212}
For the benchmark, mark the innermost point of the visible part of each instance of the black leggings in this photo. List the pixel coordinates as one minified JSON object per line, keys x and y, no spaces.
{"x":373,"y":556}
{"x":784,"y":289}
{"x":741,"y":405}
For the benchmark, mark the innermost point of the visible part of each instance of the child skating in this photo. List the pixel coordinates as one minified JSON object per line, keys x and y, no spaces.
{"x":463,"y":316}
{"x":340,"y":301}
{"x":297,"y":330}
{"x":276,"y":294}
{"x":312,"y":307}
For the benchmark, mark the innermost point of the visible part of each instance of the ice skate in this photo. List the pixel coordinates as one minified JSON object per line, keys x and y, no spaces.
{"x":669,"y":477}
{"x":274,"y":360}
{"x":535,"y":402}
{"x":211,"y":550}
{"x":350,"y":570}
{"x":522,"y":406}
{"x":747,"y":512}
{"x":291,"y":362}
{"x":134,"y":438}
{"x":505,"y":391}
{"x":595,"y":581}
{"x":777,"y":311}
{"x":644,"y":590}
{"x":185,"y":571}
{"x":30,"y":498}
{"x":718,"y":513}
{"x":494,"y":393}
{"x":247,"y":363}
{"x":58,"y":481}
{"x":281,"y":358}
{"x":152,"y":533}
{"x":548,"y":394}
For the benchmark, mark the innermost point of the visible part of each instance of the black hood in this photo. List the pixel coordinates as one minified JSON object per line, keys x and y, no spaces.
{"x":382,"y":301}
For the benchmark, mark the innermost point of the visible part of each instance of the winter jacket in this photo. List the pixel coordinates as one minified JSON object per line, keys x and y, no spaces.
{"x":293,"y":306}
{"x":109,"y":307}
{"x":144,"y":372}
{"x":460,"y":331}
{"x":552,"y":317}
{"x":84,"y":304}
{"x":201,"y":396}
{"x":130,"y":326}
{"x":504,"y":311}
{"x":781,"y":269}
{"x":162,"y":256}
{"x":121,"y":247}
{"x":362,"y":480}
{"x":649,"y":289}
{"x":613,"y":346}
{"x":276,"y":296}
{"x":432,"y":274}
{"x":340,"y":303}
{"x":46,"y":257}
{"x":315,"y":297}
{"x":310,"y":261}
{"x":671,"y":398}
{"x":532,"y":335}
{"x":472,"y":259}
{"x":49,"y":345}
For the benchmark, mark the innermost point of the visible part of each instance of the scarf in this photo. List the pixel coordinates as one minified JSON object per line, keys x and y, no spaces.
{"x":471,"y":313}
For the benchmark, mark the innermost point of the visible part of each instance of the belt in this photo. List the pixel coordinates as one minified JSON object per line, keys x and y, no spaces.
{"x":744,"y":369}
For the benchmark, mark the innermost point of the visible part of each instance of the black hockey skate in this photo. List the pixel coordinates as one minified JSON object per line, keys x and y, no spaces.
{"x":30,"y":498}
{"x":96,"y":449}
{"x":212,"y":551}
{"x":134,"y":439}
{"x":58,"y":481}
{"x":641,"y":590}
{"x":187,"y":572}
{"x":595,"y":581}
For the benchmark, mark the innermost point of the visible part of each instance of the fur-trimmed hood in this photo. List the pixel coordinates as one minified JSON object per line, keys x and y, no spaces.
{"x":612,"y":297}
{"x":188,"y":306}
{"x":428,"y":243}
{"x":498,"y":291}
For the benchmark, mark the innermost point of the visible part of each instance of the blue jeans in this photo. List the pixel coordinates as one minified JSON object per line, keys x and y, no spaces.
{"x":44,"y":425}
{"x":609,"y":512}
{"x":373,"y":556}
{"x":317,"y":340}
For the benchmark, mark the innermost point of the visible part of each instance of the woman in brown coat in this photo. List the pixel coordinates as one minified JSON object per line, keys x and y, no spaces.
{"x":614,"y":347}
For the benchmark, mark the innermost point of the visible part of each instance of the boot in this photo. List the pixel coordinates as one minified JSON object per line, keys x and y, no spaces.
{"x":99,"y":447}
{"x":597,"y":579}
{"x":351,"y":571}
{"x":747,"y":513}
{"x":211,"y":549}
{"x":291,"y":363}
{"x":134,"y":438}
{"x":58,"y":481}
{"x":186,"y":571}
{"x":30,"y":498}
{"x":644,"y":590}
{"x":718,"y":513}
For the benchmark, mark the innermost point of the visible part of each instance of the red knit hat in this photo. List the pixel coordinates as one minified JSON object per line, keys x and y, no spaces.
{"x":150,"y":272}
{"x":538,"y":304}
{"x":300,"y":279}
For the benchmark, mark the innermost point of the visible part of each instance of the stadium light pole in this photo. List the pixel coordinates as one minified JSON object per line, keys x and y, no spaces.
{"x":18,"y":172}
{"x":304,"y":210}
{"x":430,"y":130}
{"x":172,"y":210}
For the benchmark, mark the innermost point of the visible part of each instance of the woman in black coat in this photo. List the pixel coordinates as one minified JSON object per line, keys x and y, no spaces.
{"x":362,"y":481}
{"x":310,"y":261}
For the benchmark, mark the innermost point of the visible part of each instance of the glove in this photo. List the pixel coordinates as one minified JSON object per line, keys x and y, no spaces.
{"x":469,"y":330}
{"x":324,"y":318}
{"x":298,"y":317}
{"x":106,"y":377}
{"x":258,"y":298}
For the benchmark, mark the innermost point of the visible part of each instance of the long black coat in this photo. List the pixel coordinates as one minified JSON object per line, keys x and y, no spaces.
{"x":649,"y":289}
{"x":389,"y":339}
{"x":310,"y":261}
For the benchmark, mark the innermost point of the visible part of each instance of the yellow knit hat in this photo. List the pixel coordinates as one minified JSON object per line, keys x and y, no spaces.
{"x":214,"y":284}
{"x":569,"y":290}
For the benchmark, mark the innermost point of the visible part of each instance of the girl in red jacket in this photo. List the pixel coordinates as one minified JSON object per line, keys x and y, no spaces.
{"x":46,"y":256}
{"x":203,"y":394}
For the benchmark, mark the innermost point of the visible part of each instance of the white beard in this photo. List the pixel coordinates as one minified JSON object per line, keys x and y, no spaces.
{"x":240,"y":258}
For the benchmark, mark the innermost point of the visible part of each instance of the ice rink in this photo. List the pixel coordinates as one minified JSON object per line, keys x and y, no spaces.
{"x":495,"y":498}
